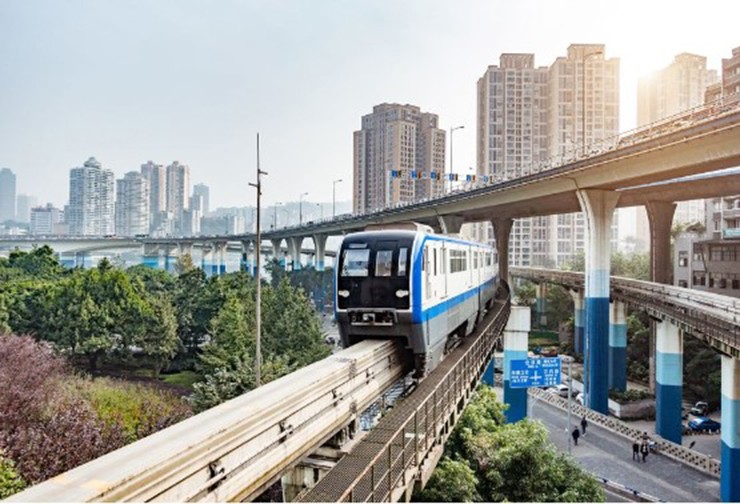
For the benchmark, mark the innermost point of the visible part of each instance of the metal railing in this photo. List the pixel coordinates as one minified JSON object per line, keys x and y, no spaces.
{"x":405,"y":446}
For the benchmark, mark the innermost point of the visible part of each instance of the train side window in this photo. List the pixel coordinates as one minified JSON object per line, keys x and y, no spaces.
{"x":383,"y":263}
{"x":402,"y":258}
{"x":435,"y":263}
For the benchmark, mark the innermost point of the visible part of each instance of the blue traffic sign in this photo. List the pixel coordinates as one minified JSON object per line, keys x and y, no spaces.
{"x":541,"y":372}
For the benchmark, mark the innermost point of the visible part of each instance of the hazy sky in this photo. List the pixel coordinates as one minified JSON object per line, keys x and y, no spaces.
{"x":127,"y":81}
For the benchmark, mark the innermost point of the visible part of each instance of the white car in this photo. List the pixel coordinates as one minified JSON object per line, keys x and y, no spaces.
{"x":579,"y":398}
{"x":561,"y":390}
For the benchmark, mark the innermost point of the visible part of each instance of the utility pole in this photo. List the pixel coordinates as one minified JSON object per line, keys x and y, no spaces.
{"x":258,"y":247}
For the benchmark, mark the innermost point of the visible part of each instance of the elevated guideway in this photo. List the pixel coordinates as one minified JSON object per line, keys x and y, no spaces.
{"x":234,"y":451}
{"x":403,"y":449}
{"x":710,"y":317}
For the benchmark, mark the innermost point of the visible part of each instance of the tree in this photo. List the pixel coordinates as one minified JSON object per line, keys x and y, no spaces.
{"x":184,"y":264}
{"x":39,"y":262}
{"x":451,"y":481}
{"x":158,"y":337}
{"x":508,"y":462}
{"x":10,"y":481}
{"x":525,"y":293}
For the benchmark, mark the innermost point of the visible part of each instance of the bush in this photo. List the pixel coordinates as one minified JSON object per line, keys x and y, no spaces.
{"x":10,"y":482}
{"x":138,"y":410}
{"x":629,"y":395}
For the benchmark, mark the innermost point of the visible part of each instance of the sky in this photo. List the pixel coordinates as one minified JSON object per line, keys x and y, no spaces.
{"x":128,"y":81}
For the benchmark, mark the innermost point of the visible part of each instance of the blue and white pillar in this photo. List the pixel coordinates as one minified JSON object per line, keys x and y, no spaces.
{"x":150,"y":258}
{"x":295,"y":245}
{"x":729,"y":482}
{"x":598,"y":208}
{"x":577,"y":321}
{"x":319,"y":242}
{"x":516,"y":345}
{"x":222,"y":259}
{"x":668,"y":381}
{"x":541,"y":303}
{"x":618,"y":346}
{"x":205,"y":263}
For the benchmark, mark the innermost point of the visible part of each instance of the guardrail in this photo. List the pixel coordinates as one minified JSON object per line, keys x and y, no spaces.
{"x":406,"y":445}
{"x":625,"y":491}
{"x":711,"y":317}
{"x":701,"y":462}
{"x":235,"y":450}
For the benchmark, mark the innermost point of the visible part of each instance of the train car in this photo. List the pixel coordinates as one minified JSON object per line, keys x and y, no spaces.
{"x":409,"y":283}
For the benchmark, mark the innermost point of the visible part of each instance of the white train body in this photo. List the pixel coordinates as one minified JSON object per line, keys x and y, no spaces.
{"x":412,"y":284}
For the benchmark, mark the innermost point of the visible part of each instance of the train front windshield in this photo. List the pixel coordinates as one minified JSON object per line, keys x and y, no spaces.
{"x":374,"y":274}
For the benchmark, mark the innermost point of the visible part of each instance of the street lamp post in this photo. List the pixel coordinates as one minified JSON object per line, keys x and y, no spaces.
{"x":452,"y":130}
{"x":257,"y":247}
{"x":321,"y":207}
{"x":334,"y":198}
{"x":300,"y":208}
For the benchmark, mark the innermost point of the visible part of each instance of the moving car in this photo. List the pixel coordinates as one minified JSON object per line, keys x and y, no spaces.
{"x":561,"y":390}
{"x":704,"y":424}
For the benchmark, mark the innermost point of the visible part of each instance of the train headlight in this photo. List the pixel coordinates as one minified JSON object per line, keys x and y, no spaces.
{"x":401,"y":293}
{"x":343,"y":293}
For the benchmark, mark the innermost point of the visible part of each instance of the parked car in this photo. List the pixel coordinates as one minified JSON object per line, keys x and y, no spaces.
{"x":560,"y":389}
{"x":579,"y":398}
{"x":700,"y":409}
{"x":704,"y":424}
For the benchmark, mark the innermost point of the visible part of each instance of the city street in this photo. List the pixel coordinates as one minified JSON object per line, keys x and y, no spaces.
{"x":609,"y":456}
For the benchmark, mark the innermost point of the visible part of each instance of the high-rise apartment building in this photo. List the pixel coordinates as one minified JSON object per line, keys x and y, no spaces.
{"x":24,"y":205}
{"x":45,"y":220}
{"x":678,"y":87}
{"x":156,"y":177}
{"x":731,"y":75}
{"x":526,"y":115}
{"x":91,"y":200}
{"x":178,"y":193}
{"x":132,"y":205}
{"x":511,"y":138}
{"x":7,"y":195}
{"x":397,"y":138}
{"x":202,"y":191}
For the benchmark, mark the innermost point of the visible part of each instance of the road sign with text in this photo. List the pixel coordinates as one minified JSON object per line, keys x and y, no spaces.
{"x":541,"y":372}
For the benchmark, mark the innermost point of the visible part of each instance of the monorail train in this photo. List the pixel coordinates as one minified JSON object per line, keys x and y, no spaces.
{"x":409,"y":283}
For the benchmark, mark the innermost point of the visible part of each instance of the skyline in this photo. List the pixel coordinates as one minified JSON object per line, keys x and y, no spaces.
{"x":180,"y":81}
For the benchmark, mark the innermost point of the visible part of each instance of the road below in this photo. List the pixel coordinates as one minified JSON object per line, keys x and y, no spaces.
{"x":608,"y":455}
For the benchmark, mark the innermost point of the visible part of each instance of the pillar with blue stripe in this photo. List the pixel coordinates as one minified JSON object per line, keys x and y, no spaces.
{"x":295,"y":245}
{"x":598,"y":208}
{"x":577,"y":321}
{"x":516,"y":345}
{"x":668,"y":381}
{"x":618,"y":346}
{"x":541,"y":304}
{"x":319,"y":242}
{"x":729,"y":482}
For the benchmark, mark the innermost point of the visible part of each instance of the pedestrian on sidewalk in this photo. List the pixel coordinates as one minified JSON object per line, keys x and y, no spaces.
{"x":644,"y":449}
{"x":636,"y":450}
{"x":576,"y":434}
{"x":584,"y":423}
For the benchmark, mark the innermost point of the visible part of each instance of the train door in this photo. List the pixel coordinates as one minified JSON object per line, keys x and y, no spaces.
{"x":427,"y":274}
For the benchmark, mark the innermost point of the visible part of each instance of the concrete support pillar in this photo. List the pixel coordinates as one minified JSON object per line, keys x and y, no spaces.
{"x":244,"y":261}
{"x":598,"y":208}
{"x":450,"y":224}
{"x":660,"y":219}
{"x":222,"y":258}
{"x":730,"y":476}
{"x":295,"y":245}
{"x":669,"y":381}
{"x":618,"y":346}
{"x":502,"y":232}
{"x":577,"y":321}
{"x":277,"y":251}
{"x":253,"y":263}
{"x":541,"y":303}
{"x":170,"y":256}
{"x":516,"y":345}
{"x":319,"y":242}
{"x":205,"y":261}
{"x":150,"y":258}
{"x":184,"y":248}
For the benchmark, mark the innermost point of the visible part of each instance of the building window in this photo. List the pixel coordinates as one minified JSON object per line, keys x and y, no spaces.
{"x":682,"y":283}
{"x":683,"y":259}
